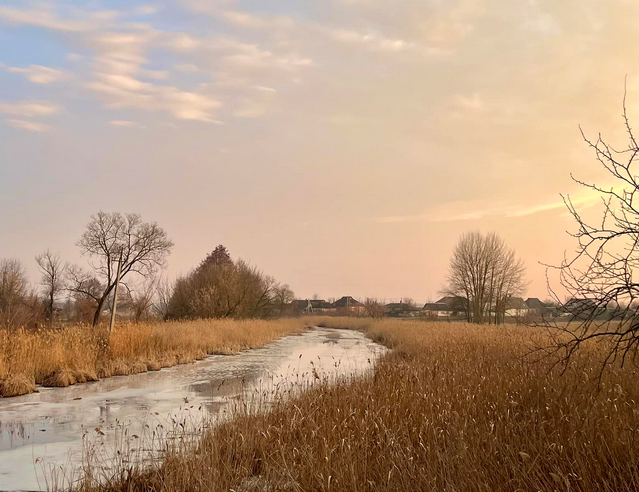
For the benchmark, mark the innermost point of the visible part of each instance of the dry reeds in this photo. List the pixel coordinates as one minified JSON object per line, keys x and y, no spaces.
{"x":452,"y":408}
{"x":78,"y":354}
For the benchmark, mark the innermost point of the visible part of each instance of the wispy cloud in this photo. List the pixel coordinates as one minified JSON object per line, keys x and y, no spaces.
{"x":28,"y":125}
{"x":39,"y":74}
{"x":245,"y":20}
{"x":479,"y":209}
{"x":47,"y":18}
{"x":126,"y":124}
{"x":372,"y":41}
{"x":26,"y":109}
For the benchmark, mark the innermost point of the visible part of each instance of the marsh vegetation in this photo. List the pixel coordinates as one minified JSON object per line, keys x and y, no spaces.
{"x":452,"y":407}
{"x":81,"y":353}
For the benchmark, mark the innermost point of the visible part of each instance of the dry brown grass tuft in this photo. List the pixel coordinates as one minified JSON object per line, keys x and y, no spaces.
{"x":452,"y":408}
{"x":60,"y":379}
{"x":16,"y":385}
{"x":78,"y":354}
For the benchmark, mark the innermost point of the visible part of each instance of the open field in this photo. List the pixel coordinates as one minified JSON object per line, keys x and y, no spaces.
{"x":79,"y":354}
{"x":452,"y":408}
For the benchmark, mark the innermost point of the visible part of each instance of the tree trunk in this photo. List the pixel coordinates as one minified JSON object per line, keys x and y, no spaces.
{"x":101,"y":301}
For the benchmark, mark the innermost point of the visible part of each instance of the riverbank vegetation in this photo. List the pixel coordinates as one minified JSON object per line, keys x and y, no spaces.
{"x":453,"y":407}
{"x":81,"y":353}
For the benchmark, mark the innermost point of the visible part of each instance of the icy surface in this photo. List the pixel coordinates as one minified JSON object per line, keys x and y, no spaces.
{"x":43,"y":436}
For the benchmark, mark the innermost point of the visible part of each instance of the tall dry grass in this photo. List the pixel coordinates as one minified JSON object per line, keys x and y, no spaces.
{"x":78,"y":354}
{"x":452,"y":408}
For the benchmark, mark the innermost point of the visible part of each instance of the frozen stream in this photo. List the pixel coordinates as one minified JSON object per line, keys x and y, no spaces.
{"x":42,"y":434}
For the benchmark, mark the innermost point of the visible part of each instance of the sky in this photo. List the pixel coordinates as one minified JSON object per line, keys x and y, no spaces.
{"x":342,"y":146}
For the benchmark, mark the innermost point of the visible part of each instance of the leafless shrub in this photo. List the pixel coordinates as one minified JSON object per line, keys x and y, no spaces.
{"x":599,"y":278}
{"x":374,"y":308}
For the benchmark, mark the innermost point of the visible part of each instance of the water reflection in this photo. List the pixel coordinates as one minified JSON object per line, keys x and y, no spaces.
{"x":49,"y":433}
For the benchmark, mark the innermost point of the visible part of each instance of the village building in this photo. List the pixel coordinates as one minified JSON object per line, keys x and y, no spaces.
{"x":349,"y":306}
{"x":401,"y":310}
{"x":436,"y":310}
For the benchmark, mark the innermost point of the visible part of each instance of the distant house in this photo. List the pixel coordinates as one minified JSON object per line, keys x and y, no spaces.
{"x":516,"y":307}
{"x":457,"y":305}
{"x":301,"y":306}
{"x":322,"y":306}
{"x":436,"y":310}
{"x":401,"y":310}
{"x":310,"y":306}
{"x":348,"y":305}
{"x":539,"y":309}
{"x":582,"y":308}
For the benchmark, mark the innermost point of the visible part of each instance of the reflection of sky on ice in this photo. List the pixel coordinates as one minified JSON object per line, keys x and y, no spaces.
{"x":44,"y":435}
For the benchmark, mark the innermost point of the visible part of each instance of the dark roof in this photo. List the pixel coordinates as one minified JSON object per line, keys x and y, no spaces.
{"x":347,"y":299}
{"x":580,"y":305}
{"x":436,"y":306}
{"x":516,"y":303}
{"x":312,"y":303}
{"x":455,"y":303}
{"x":402,"y":305}
{"x":320,"y":304}
{"x":300,"y":303}
{"x":535,"y":303}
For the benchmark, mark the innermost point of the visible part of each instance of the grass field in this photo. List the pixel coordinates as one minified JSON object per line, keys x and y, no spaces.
{"x":452,"y":408}
{"x":78,"y":354}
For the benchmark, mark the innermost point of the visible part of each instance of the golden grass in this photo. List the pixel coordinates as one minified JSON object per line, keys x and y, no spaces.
{"x":452,"y":408}
{"x":78,"y":354}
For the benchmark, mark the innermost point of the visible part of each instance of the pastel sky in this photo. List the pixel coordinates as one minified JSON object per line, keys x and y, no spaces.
{"x":340,"y":145}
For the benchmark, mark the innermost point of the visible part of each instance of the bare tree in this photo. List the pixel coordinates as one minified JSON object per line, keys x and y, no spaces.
{"x":52,"y":281}
{"x":163,"y":294}
{"x":374,"y":308}
{"x":142,"y":246}
{"x":486,"y":275}
{"x":283,"y":297}
{"x":139,"y":300}
{"x":13,"y":293}
{"x":602,"y":292}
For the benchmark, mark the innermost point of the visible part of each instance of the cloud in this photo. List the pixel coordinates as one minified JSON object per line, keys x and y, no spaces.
{"x":582,"y":201}
{"x":145,"y":10}
{"x":479,"y":209}
{"x":371,"y":41}
{"x":252,"y":21}
{"x":126,"y":124}
{"x":39,"y":74}
{"x":473,"y":103}
{"x":26,"y":109}
{"x":128,"y":92}
{"x":238,"y":55}
{"x":244,"y":20}
{"x":45,"y":18}
{"x":452,"y":23}
{"x":28,"y":125}
{"x":181,"y":41}
{"x":186,"y":68}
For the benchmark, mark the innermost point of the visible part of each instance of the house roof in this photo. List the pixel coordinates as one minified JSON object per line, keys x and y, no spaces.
{"x":580,"y":305}
{"x":516,"y":303}
{"x":347,"y":300}
{"x":455,"y":303}
{"x":301,"y":303}
{"x":312,"y":303}
{"x":436,"y":306}
{"x":535,"y":303}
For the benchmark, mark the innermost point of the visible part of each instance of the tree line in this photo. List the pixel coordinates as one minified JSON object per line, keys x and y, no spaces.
{"x":218,"y":288}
